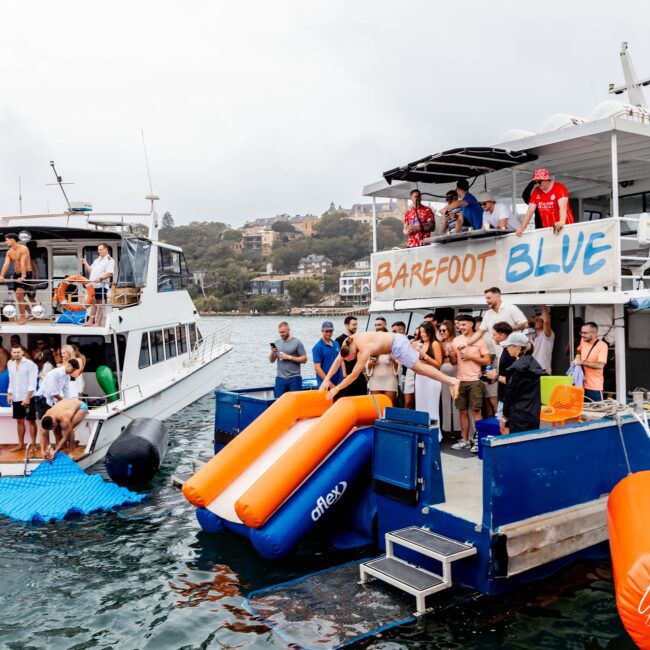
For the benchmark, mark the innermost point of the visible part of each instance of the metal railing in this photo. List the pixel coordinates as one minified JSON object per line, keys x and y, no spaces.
{"x":41,"y":304}
{"x":209,"y":347}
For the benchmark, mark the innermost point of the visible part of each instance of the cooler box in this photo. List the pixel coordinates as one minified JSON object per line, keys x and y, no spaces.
{"x":484,"y":428}
{"x":549,"y":382}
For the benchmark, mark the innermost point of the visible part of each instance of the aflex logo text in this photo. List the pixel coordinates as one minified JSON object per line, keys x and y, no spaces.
{"x":323,"y":503}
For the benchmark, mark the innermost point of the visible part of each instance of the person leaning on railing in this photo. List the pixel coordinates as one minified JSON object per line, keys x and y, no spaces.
{"x":101,"y":273}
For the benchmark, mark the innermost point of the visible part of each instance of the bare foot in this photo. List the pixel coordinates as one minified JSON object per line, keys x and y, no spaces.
{"x":17,"y":448}
{"x":22,"y":321}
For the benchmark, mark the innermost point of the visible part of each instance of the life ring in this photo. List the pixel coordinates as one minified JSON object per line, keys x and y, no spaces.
{"x":60,"y":293}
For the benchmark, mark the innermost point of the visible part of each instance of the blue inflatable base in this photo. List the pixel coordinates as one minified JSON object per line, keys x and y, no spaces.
{"x":59,"y":488}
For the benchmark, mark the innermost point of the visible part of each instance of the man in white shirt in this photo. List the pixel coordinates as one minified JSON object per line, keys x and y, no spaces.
{"x":101,"y":273}
{"x":544,"y":339}
{"x":22,"y":384}
{"x":497,"y":216}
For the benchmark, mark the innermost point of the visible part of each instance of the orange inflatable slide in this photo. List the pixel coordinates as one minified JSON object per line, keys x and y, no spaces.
{"x":265,"y":464}
{"x":628,"y":508}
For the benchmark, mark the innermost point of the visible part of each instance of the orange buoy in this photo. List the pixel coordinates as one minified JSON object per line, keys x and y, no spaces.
{"x":61,"y":296}
{"x":628,"y":508}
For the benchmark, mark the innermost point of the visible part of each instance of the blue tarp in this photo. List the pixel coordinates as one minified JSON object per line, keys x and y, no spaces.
{"x":58,"y":488}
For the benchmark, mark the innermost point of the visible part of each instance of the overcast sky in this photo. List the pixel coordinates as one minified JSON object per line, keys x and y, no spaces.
{"x":255,"y":108}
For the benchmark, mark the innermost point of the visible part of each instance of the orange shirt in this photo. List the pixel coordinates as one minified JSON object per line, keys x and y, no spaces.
{"x":468,"y":369}
{"x":594,"y":377}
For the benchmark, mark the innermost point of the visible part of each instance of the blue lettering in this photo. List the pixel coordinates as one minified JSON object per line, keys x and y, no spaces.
{"x":543,"y":269}
{"x":589,"y":267}
{"x":567,"y":265}
{"x":519,"y":254}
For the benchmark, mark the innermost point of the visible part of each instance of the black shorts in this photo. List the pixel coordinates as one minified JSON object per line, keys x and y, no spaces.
{"x":40,"y":407}
{"x":100,"y":294}
{"x":21,"y":412}
{"x":27,"y":286}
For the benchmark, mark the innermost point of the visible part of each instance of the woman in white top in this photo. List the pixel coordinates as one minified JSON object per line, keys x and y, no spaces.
{"x":76,"y":378}
{"x":450,"y":421}
{"x":427,"y":390}
{"x":382,"y":376}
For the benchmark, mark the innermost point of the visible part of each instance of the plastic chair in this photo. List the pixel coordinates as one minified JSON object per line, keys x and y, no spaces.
{"x":565,"y":404}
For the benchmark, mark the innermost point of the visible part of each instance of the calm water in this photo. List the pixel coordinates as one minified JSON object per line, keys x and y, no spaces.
{"x":146,"y":577}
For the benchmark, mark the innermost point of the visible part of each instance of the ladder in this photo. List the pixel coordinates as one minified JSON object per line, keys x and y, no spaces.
{"x":408,"y":577}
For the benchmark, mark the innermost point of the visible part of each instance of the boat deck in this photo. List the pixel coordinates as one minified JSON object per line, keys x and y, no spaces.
{"x":462,"y":474}
{"x":7,"y":456}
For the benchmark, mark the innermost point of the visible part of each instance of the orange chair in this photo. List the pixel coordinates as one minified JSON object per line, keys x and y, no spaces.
{"x":565,"y":404}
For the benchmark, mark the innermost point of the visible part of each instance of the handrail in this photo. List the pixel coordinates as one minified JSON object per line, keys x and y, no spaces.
{"x":210,"y":346}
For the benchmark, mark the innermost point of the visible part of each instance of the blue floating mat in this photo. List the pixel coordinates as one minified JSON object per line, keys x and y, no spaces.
{"x":59,"y":488}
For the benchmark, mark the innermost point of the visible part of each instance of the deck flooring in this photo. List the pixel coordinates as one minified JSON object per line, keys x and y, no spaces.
{"x":7,"y":456}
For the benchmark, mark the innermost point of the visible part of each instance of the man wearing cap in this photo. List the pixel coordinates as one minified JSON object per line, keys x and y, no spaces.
{"x":497,"y":215}
{"x":324,"y":353}
{"x":472,"y":215}
{"x":419,"y":221}
{"x":551,"y":199}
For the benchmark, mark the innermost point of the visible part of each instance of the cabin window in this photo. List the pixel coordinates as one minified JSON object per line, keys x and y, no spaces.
{"x":172,"y":270}
{"x":145,"y":356}
{"x":170,"y":342}
{"x":64,"y":265}
{"x":192,"y":327}
{"x":181,"y":339}
{"x":93,"y":348}
{"x":157,"y":346}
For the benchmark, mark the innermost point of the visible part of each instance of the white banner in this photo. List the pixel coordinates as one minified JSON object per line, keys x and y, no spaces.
{"x":582,"y":256}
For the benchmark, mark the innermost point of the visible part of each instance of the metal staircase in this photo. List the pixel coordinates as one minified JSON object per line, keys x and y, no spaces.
{"x":408,"y":577}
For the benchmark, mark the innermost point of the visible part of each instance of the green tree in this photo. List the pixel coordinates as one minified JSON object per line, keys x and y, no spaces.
{"x":331,"y":282}
{"x":167,"y":220}
{"x":266,"y":304}
{"x":282,"y":226}
{"x":232,"y":235}
{"x":303,"y":292}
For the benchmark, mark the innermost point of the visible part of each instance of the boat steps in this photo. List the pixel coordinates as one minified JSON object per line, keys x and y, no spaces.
{"x":410,"y":578}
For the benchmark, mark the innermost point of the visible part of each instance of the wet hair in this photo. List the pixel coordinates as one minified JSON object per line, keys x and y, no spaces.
{"x":502,"y":327}
{"x":347,"y":344}
{"x":493,"y":290}
{"x":73,"y":363}
{"x":47,"y":423}
{"x":466,"y":318}
{"x":11,"y":235}
{"x":349,"y":319}
{"x":399,"y":323}
{"x":462,"y":184}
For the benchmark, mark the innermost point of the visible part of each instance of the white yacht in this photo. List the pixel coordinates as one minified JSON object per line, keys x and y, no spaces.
{"x":149,"y":336}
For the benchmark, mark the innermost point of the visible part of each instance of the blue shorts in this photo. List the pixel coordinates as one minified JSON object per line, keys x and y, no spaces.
{"x":84,"y":406}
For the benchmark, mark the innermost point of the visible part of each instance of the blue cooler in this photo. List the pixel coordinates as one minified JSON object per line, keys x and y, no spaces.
{"x":484,"y":428}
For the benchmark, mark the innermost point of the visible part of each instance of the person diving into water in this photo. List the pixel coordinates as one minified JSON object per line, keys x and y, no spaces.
{"x":371,"y":344}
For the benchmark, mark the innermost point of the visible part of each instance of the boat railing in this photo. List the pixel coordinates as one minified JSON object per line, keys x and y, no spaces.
{"x":42,"y":305}
{"x":211,"y":346}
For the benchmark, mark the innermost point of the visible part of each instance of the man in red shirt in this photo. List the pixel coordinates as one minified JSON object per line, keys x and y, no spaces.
{"x":419,"y":220}
{"x":551,"y":199}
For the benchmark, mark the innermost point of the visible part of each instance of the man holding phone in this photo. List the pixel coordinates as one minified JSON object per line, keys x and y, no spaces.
{"x":289,"y":353}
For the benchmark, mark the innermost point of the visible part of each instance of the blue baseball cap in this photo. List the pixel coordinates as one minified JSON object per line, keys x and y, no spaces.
{"x":327,"y":325}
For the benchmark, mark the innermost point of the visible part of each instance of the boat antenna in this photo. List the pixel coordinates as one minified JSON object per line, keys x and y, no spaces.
{"x":60,"y":183}
{"x":153,"y":228}
{"x":632,"y":86}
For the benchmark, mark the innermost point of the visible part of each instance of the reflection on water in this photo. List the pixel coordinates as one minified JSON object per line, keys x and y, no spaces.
{"x":147,"y":577}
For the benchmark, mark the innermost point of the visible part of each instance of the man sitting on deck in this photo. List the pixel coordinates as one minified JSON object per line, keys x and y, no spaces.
{"x":367,"y":344}
{"x":497,"y":216}
{"x":472,"y":215}
{"x":552,"y":200}
{"x":62,"y":419}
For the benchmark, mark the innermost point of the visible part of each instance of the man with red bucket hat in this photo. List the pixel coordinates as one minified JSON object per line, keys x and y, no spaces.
{"x":551,"y":199}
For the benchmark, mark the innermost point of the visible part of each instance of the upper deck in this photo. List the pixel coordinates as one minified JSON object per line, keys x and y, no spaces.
{"x":601,"y":259}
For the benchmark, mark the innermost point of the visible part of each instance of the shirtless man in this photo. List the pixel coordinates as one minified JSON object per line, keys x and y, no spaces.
{"x":4,"y":357}
{"x":19,"y":255}
{"x":62,"y":419}
{"x":368,"y":344}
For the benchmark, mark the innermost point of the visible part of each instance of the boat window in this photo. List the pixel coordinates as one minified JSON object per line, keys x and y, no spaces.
{"x":93,"y":348}
{"x":172,"y":270}
{"x":192,"y":327}
{"x":170,"y":342}
{"x":64,"y":264}
{"x":157,"y":346}
{"x":134,"y":262}
{"x":145,"y":356}
{"x":110,"y":352}
{"x":181,"y":339}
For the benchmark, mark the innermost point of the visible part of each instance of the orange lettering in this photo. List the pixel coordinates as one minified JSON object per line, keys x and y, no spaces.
{"x":442,"y":267}
{"x":483,"y":257}
{"x":415,"y":272}
{"x":402,"y":276}
{"x":467,"y":276}
{"x":453,"y":275}
{"x":427,"y":275}
{"x":384,"y":279}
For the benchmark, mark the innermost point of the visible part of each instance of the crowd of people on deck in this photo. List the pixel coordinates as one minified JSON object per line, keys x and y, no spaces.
{"x":457,"y":371}
{"x":45,"y":392}
{"x":547,"y":199}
